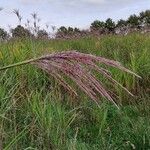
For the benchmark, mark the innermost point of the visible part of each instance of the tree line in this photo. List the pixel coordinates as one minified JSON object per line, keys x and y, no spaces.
{"x":134,"y":23}
{"x":140,"y":22}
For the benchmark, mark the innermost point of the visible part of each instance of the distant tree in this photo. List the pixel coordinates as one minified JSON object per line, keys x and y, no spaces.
{"x":62,"y":29}
{"x":133,"y":21}
{"x":70,"y":30}
{"x":3,"y":34}
{"x":142,"y":18}
{"x":110,"y":25}
{"x":97,"y":25}
{"x":61,"y":32}
{"x":121,"y":23}
{"x":42,"y":34}
{"x":76,"y":30}
{"x":145,"y":17}
{"x":20,"y":32}
{"x":121,"y":27}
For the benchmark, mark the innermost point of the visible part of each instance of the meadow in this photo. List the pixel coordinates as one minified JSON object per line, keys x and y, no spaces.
{"x":36,"y":113}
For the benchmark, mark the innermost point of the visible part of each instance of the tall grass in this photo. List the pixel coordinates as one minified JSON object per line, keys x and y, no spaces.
{"x":37,"y":113}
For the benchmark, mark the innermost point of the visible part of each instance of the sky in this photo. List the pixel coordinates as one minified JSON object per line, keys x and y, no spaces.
{"x":75,"y":13}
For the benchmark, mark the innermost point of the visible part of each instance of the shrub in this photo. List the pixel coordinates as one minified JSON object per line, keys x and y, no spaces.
{"x":3,"y":34}
{"x":42,"y":34}
{"x":21,"y":32}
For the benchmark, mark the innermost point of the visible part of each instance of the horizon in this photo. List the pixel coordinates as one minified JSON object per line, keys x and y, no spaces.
{"x":66,"y":13}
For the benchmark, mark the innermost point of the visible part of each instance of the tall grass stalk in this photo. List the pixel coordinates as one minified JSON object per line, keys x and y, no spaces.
{"x":78,"y":67}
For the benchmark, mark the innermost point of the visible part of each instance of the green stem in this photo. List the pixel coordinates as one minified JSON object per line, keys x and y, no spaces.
{"x":20,"y":63}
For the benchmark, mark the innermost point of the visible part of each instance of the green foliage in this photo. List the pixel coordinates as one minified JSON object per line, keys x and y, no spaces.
{"x":145,"y":17}
{"x":110,"y":24}
{"x":133,"y":21}
{"x":76,"y":30}
{"x":121,"y":23}
{"x":62,"y":29}
{"x":3,"y":34}
{"x":21,"y":32}
{"x":97,"y":24}
{"x":42,"y":34}
{"x":37,"y":113}
{"x":70,"y":30}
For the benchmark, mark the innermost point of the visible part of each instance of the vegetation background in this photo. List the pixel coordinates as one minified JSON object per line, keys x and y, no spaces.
{"x":37,"y":113}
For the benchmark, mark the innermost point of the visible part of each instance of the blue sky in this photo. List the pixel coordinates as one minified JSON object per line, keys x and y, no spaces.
{"x":79,"y":13}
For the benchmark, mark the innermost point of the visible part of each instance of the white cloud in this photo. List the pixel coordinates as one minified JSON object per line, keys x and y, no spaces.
{"x":94,"y":1}
{"x":28,"y":2}
{"x":64,"y":1}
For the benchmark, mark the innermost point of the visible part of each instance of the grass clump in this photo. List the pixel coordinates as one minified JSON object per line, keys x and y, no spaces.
{"x":37,"y":113}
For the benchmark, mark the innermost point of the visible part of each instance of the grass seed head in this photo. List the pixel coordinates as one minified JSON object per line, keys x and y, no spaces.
{"x":78,"y":67}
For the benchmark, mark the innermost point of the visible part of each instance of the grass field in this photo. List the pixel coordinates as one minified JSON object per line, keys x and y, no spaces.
{"x":36,"y":113}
